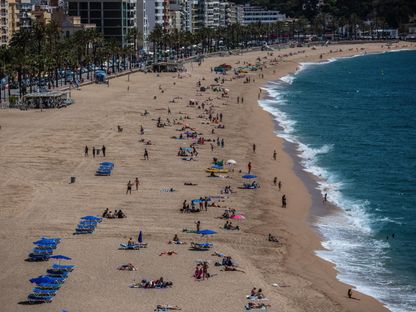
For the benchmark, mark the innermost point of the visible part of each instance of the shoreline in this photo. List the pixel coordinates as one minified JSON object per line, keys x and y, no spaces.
{"x":311,"y":182}
{"x":40,"y":150}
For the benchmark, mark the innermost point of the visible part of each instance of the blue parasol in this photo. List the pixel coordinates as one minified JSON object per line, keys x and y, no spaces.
{"x":94,"y":218}
{"x":140,"y":239}
{"x":60,"y":257}
{"x":249,"y":176}
{"x":206,"y":232}
{"x":45,"y":242}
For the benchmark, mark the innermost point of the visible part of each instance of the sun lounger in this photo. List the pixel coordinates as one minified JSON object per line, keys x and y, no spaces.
{"x":44,"y":292}
{"x":54,"y":239}
{"x":49,"y":286}
{"x":133,"y":247}
{"x":38,"y":257}
{"x":201,"y":246}
{"x":57,"y":273}
{"x":51,"y":246}
{"x":34,"y":298}
{"x":102,"y":173}
{"x":38,"y":251}
{"x":68,"y":268}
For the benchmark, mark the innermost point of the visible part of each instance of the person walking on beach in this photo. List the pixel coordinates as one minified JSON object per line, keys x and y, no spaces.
{"x":254,"y":148}
{"x":206,"y":203}
{"x":220,"y":117}
{"x":275,"y":181}
{"x":103,"y":149}
{"x":284,"y":202}
{"x":146,"y":154}
{"x":279,"y":185}
{"x":325,"y":198}
{"x":93,"y":151}
{"x":242,"y":100}
{"x":137,"y":183}
{"x":129,"y":185}
{"x":198,"y":225}
{"x":222,"y":143}
{"x":349,"y":293}
{"x":212,"y":147}
{"x":274,"y":154}
{"x":238,"y":100}
{"x":249,"y":167}
{"x":86,"y":151}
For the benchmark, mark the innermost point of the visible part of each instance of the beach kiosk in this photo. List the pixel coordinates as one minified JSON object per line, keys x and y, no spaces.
{"x":41,"y":100}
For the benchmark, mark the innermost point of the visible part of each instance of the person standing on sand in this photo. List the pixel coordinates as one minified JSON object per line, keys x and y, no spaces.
{"x":275,"y":181}
{"x":220,"y":117}
{"x":284,"y":202}
{"x":254,"y":148}
{"x":198,"y":225}
{"x":86,"y":151}
{"x":349,"y":293}
{"x":222,"y":143}
{"x":146,"y":154}
{"x":325,"y":198}
{"x":249,"y":167}
{"x":103,"y":149}
{"x":212,"y":147}
{"x":274,"y":154}
{"x":137,"y":183}
{"x":242,"y":100}
{"x":129,"y":185}
{"x":280,"y":185}
{"x":93,"y":151}
{"x":238,"y":100}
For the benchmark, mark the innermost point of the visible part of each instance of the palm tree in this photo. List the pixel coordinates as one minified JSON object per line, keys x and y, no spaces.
{"x":155,"y":38}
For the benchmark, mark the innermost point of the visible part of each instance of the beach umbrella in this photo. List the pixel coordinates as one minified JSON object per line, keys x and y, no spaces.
{"x":231,"y":162}
{"x":43,"y":242}
{"x":249,"y":176}
{"x":206,"y":232}
{"x":60,"y":257}
{"x":140,"y":239}
{"x":93,"y":218}
{"x":238,"y":217}
{"x":42,"y":279}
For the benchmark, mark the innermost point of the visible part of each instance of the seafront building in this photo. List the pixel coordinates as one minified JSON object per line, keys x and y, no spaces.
{"x":113,"y":18}
{"x":9,"y":20}
{"x":256,"y":14}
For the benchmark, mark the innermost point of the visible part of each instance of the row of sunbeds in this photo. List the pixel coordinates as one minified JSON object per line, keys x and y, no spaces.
{"x":47,"y":286}
{"x":43,"y":249}
{"x":87,"y":225}
{"x":105,"y":169}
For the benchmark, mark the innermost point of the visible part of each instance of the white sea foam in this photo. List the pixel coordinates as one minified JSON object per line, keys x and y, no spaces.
{"x":348,"y":239}
{"x":288,"y":79}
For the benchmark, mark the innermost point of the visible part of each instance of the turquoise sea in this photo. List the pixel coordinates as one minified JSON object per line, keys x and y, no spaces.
{"x":353,"y":122}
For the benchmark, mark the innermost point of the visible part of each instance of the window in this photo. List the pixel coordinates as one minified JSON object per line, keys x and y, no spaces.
{"x":95,"y":5}
{"x":112,"y":6}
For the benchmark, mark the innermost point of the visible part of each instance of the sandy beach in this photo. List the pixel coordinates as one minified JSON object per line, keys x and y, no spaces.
{"x":40,"y":151}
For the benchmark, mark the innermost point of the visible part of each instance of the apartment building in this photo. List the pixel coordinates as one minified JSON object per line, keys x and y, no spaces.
{"x":4,"y":22}
{"x":256,"y":14}
{"x":113,"y":18}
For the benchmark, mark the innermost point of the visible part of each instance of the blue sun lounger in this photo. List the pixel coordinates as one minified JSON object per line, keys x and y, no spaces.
{"x":38,"y":251}
{"x":68,"y":268}
{"x":44,"y":292}
{"x":34,"y":298}
{"x":201,"y":246}
{"x":57,"y":273}
{"x":48,"y":286}
{"x":38,"y":257}
{"x":54,"y":280}
{"x":100,"y":173}
{"x":133,"y":247}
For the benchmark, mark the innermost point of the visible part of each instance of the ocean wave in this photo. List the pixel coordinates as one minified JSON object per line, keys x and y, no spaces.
{"x":288,"y":78}
{"x":349,"y":239}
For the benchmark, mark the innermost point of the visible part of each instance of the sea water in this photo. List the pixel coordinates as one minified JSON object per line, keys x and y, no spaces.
{"x":353,"y":121}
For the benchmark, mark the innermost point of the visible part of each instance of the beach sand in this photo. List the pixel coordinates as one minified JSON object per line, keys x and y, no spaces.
{"x":40,"y":151}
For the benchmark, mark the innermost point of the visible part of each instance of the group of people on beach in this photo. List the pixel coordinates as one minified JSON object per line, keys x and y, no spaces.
{"x":95,"y":151}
